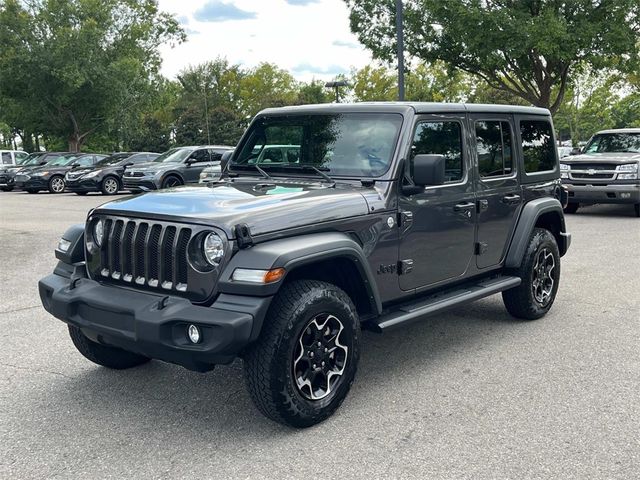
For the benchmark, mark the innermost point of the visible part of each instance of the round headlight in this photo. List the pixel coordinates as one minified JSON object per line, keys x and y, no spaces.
{"x":213,"y":249}
{"x":98,"y":232}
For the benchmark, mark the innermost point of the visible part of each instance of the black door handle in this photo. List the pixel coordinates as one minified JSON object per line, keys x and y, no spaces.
{"x":463,"y":206}
{"x":511,"y":199}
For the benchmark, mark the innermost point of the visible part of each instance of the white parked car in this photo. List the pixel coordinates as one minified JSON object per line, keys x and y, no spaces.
{"x":12,"y":157}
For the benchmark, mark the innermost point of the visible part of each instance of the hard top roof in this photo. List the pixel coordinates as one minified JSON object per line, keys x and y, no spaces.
{"x":403,"y":107}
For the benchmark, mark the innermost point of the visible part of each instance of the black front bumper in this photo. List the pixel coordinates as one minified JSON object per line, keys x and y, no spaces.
{"x":140,"y":184}
{"x":83,"y":185}
{"x":34,"y":183}
{"x":155,"y":325}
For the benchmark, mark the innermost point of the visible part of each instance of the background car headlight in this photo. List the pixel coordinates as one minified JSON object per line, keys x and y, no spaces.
{"x":39,"y":174}
{"x":564,"y":170}
{"x":213,"y":249}
{"x":95,"y":173}
{"x":98,"y":232}
{"x":630,"y":171}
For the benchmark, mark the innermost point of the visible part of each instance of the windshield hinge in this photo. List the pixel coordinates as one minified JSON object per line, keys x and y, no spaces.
{"x":243,"y":235}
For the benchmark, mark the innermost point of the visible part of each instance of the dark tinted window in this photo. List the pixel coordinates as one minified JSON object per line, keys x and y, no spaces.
{"x":441,"y":138}
{"x":493,"y":144}
{"x":84,"y":161}
{"x":200,"y":155}
{"x":537,"y":146}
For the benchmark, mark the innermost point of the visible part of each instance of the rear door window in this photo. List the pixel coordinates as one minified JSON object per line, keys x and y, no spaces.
{"x":494,"y":148}
{"x":538,"y":149}
{"x":201,"y":155}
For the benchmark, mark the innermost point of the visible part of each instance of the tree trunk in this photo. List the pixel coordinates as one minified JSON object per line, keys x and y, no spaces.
{"x":27,"y":141}
{"x":74,"y":143}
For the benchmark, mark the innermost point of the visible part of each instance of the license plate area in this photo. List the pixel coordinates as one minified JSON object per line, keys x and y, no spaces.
{"x":106,"y":318}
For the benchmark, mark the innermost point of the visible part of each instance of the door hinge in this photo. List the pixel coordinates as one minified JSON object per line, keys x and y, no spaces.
{"x":405,"y":219}
{"x":481,"y":248}
{"x":405,"y":266}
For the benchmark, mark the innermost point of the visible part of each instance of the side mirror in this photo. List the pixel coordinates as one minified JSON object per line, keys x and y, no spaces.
{"x":429,"y":170}
{"x":128,"y":164}
{"x":576,"y":151}
{"x":190,"y":160}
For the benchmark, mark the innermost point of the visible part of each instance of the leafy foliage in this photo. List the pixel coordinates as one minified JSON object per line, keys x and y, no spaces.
{"x":526,"y":48}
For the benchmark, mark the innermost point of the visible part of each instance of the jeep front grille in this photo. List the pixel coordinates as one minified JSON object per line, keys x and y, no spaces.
{"x":143,"y":253}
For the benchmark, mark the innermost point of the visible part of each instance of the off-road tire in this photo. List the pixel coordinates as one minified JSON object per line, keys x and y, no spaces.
{"x":571,"y":208}
{"x":269,"y":361}
{"x":106,"y":187}
{"x":520,"y":301}
{"x":171,"y":181}
{"x":109,"y":357}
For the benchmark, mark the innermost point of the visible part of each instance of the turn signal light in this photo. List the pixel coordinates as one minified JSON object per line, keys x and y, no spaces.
{"x":257,"y":276}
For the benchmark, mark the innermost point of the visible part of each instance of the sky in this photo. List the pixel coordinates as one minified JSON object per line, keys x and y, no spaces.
{"x":309,"y":38}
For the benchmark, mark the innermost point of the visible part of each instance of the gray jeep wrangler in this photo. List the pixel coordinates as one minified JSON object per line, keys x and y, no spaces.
{"x":390,"y":212}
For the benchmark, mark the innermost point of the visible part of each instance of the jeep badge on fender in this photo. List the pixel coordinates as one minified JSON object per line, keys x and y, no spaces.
{"x":326,"y":219}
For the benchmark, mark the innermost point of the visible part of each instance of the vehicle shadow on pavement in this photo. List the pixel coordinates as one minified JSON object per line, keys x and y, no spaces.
{"x":611,"y":210}
{"x":168,"y":398}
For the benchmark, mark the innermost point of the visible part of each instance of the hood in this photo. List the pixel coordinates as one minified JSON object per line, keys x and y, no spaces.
{"x":265,"y":206}
{"x":605,"y":157}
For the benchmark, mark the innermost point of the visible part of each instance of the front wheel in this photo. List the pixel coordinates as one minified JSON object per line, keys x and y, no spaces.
{"x":110,"y":357}
{"x":110,"y":186}
{"x":171,"y":181}
{"x":540,"y":274}
{"x":302,"y":366}
{"x":56,"y":184}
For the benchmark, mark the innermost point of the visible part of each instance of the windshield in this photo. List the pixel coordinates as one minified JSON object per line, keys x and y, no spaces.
{"x":32,"y":160}
{"x":62,"y":161}
{"x":175,"y":155}
{"x":614,"y":142}
{"x":343,"y":144}
{"x":113,"y":159}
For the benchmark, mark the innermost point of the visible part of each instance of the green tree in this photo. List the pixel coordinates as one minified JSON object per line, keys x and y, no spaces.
{"x":266,"y":86}
{"x":313,"y":92}
{"x":80,"y":63}
{"x":526,"y":48}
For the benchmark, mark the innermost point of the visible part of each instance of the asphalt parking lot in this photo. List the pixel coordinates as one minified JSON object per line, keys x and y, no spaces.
{"x":470,"y":394}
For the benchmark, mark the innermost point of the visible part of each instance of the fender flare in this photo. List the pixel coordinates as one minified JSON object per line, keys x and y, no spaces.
{"x":75,"y":253}
{"x":291,"y":253}
{"x":529,"y":216}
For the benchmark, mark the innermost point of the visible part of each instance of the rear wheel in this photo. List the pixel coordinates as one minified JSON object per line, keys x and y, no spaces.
{"x":171,"y":181}
{"x":571,"y":208}
{"x":302,"y":366}
{"x":109,"y":357}
{"x":540,"y":274}
{"x":56,"y":184}
{"x":110,"y":186}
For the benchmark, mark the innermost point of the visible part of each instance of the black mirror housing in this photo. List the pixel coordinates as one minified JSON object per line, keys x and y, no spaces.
{"x":429,"y":170}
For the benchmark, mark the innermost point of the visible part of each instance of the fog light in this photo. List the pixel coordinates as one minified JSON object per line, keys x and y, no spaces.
{"x":194,"y":334}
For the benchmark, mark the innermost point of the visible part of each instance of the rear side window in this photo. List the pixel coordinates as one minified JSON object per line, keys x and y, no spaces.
{"x":537,"y":146}
{"x":493,"y":144}
{"x":6,"y":158}
{"x":201,"y":156}
{"x":441,"y":138}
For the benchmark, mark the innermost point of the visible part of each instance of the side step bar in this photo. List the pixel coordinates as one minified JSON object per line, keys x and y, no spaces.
{"x":437,"y":303}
